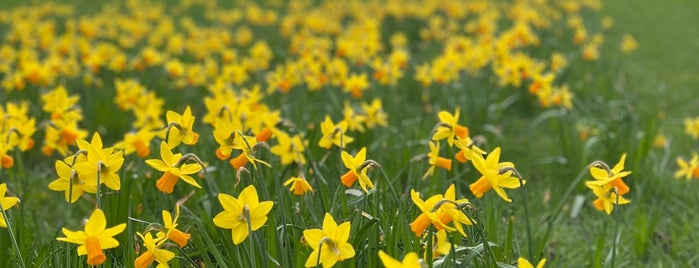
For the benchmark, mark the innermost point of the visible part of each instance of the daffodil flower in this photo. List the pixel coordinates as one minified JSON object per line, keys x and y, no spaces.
{"x":153,"y":253}
{"x":603,"y":175}
{"x":104,"y":162}
{"x":329,"y":244}
{"x":67,"y":178}
{"x":298,"y":185}
{"x":171,"y":231}
{"x":449,"y":128}
{"x":173,"y":169}
{"x":430,"y":214}
{"x":180,"y":128}
{"x":467,"y":148}
{"x":95,"y":238}
{"x":6,"y":203}
{"x":243,"y":214}
{"x":524,"y":263}
{"x":247,"y":145}
{"x":435,"y":160}
{"x":607,"y":196}
{"x":493,"y":176}
{"x":289,"y":149}
{"x":411,"y":260}
{"x":333,"y":134}
{"x":357,"y":170}
{"x":688,"y":169}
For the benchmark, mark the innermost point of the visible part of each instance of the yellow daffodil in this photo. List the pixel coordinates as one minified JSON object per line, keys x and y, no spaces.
{"x":289,"y":149}
{"x":467,"y":148}
{"x":354,"y":120}
{"x":449,"y":128}
{"x":374,"y":115}
{"x":224,"y":134}
{"x":628,"y":43}
{"x":66,"y":176}
{"x":105,"y":162}
{"x":248,"y":146}
{"x":95,"y":238}
{"x":6,"y":203}
{"x":181,"y":130}
{"x":173,"y":168}
{"x":430,"y":214}
{"x":243,"y":214}
{"x":493,"y":176}
{"x":612,"y":177}
{"x":357,"y":170}
{"x":688,"y":169}
{"x":138,"y":142}
{"x":524,"y":263}
{"x":435,"y":160}
{"x":298,"y":185}
{"x":333,"y":134}
{"x":171,"y":231}
{"x":329,"y":244}
{"x":607,"y":196}
{"x":153,"y":253}
{"x":411,"y":260}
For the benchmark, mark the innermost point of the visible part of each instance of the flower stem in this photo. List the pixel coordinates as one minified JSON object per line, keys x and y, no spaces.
{"x":12,"y":237}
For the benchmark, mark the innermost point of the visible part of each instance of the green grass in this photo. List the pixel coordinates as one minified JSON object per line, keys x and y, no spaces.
{"x":628,"y":98}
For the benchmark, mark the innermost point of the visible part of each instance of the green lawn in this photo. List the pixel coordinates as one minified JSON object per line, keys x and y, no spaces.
{"x":624,"y":100}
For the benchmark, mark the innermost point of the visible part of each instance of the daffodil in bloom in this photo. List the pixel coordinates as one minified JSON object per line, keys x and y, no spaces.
{"x":607,"y":196}
{"x":174,"y":168}
{"x":524,"y":263}
{"x":628,"y":43}
{"x":153,"y":253}
{"x":138,"y":142}
{"x":329,"y":244}
{"x":248,"y":146}
{"x":67,"y":178}
{"x":495,"y":175}
{"x":435,"y":160}
{"x":289,"y":149}
{"x":688,"y":169}
{"x":374,"y":115}
{"x":243,"y":214}
{"x":180,"y":128}
{"x":467,"y":148}
{"x":440,"y":210}
{"x":104,"y":163}
{"x":411,"y":260}
{"x":6,"y":203}
{"x":603,"y":175}
{"x":95,"y":238}
{"x":224,"y":134}
{"x":691,"y":127}
{"x":441,"y":245}
{"x":170,"y":228}
{"x":333,"y":134}
{"x":449,"y":128}
{"x":298,"y":185}
{"x":357,"y":170}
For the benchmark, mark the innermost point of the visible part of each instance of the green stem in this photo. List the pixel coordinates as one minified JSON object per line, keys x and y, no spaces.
{"x":99,"y":172}
{"x":526,"y":222}
{"x":251,"y":250}
{"x":12,"y":237}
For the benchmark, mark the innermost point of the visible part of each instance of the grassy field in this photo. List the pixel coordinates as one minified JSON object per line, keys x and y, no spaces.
{"x":261,"y":83}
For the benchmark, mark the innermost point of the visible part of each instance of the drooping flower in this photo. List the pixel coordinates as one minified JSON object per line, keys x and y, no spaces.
{"x":467,"y":148}
{"x":153,"y":253}
{"x":411,"y":260}
{"x":440,"y":210}
{"x":435,"y":160}
{"x":243,"y":214}
{"x":6,"y":203}
{"x":298,"y":185}
{"x":329,"y":244}
{"x":95,"y":238}
{"x":492,"y":175}
{"x":357,"y":170}
{"x":173,"y":168}
{"x":247,"y":145}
